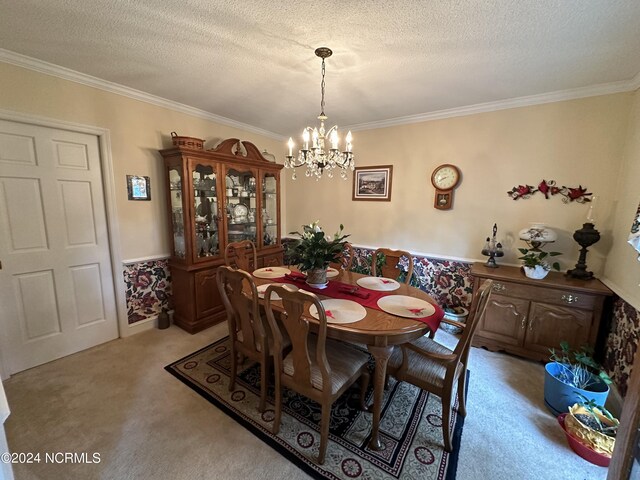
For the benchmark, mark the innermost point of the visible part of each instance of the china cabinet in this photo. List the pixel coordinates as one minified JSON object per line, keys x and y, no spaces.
{"x":528,"y":317}
{"x":216,"y":197}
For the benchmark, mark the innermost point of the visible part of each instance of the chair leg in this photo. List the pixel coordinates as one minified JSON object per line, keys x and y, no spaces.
{"x":462,"y":407}
{"x":278,"y":406}
{"x":446,"y":421}
{"x":234,"y":369}
{"x":324,"y":431}
{"x":432,"y":334}
{"x":264,"y":372}
{"x":364,"y":384}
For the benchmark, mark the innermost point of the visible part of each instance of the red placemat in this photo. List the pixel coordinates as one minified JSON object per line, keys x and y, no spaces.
{"x":363,"y":296}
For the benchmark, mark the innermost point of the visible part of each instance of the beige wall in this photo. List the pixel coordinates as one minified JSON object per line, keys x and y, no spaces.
{"x":623,"y":268}
{"x":138,"y":130}
{"x":582,"y":141}
{"x":572,"y":142}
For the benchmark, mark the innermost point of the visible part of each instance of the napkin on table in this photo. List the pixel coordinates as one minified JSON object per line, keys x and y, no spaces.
{"x":295,"y":277}
{"x":353,"y":291}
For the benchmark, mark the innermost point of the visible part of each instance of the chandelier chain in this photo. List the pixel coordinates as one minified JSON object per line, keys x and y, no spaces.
{"x":322,"y":91}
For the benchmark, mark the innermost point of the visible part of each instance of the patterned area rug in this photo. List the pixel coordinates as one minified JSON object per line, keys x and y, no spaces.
{"x":410,"y":427}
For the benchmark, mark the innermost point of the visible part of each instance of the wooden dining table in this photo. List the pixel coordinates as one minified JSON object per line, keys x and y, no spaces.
{"x":378,"y":330}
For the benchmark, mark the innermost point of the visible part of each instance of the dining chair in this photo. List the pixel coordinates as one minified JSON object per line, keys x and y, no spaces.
{"x":242,"y":255}
{"x":346,"y":258}
{"x":315,"y":367}
{"x":248,"y":335}
{"x":433,"y":367}
{"x":391,"y":268}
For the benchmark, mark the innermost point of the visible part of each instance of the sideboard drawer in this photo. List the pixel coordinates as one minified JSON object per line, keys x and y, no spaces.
{"x":547,"y":295}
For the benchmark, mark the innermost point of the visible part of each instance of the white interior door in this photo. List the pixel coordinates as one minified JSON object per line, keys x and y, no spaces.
{"x":56,"y":283}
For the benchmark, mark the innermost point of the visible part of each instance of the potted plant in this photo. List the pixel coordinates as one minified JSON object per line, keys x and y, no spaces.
{"x":313,"y":252}
{"x":591,"y":431}
{"x":534,"y":263}
{"x":572,"y":375}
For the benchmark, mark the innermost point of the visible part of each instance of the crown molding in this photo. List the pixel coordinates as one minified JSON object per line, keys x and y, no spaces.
{"x":31,"y":63}
{"x":41,"y":66}
{"x":530,"y":100}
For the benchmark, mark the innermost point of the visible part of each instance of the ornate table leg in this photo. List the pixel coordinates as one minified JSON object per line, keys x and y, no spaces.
{"x":381,"y":356}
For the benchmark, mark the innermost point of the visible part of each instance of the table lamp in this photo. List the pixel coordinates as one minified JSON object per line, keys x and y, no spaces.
{"x":585,"y":236}
{"x":537,"y":235}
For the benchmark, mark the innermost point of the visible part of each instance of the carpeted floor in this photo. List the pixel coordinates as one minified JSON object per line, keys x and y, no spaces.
{"x":117,"y":400}
{"x":410,"y":425}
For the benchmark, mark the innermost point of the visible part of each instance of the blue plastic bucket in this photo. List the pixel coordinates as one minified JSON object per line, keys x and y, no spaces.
{"x":558,"y":396}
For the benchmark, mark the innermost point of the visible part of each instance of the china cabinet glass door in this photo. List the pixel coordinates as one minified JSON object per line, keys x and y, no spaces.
{"x":269,"y":210}
{"x":206,"y":242}
{"x":241,"y":205}
{"x":177,"y":212}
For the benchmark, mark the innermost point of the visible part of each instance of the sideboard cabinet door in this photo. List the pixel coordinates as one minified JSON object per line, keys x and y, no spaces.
{"x":551,"y":324}
{"x":505,"y":319}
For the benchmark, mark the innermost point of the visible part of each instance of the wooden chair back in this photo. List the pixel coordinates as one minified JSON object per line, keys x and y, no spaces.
{"x":298,"y":370}
{"x":469,"y":328}
{"x":242,"y":255}
{"x":346,"y":258}
{"x":243,"y":312}
{"x":436,"y":369}
{"x":297,"y":327}
{"x":391,"y":268}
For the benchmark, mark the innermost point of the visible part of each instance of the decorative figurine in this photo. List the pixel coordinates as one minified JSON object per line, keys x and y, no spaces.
{"x":492,"y":249}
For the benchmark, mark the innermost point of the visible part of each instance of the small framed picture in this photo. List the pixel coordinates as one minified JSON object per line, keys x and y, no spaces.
{"x":138,"y":187}
{"x":372,"y":183}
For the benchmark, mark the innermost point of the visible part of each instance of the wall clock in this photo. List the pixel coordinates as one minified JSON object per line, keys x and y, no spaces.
{"x":444,"y":178}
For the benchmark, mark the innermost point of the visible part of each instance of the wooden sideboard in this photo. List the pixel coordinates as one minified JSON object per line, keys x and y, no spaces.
{"x":527,"y":317}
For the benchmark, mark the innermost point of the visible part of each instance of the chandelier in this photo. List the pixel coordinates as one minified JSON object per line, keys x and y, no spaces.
{"x":315,"y":156}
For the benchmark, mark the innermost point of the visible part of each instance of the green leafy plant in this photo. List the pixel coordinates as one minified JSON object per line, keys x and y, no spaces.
{"x":593,"y":417}
{"x":315,"y":250}
{"x":533,"y":258}
{"x":578,"y":366}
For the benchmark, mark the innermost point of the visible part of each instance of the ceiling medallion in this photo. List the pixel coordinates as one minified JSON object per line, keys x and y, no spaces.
{"x":317,"y":158}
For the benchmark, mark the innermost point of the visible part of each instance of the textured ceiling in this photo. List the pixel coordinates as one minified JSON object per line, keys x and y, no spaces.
{"x":253,"y":61}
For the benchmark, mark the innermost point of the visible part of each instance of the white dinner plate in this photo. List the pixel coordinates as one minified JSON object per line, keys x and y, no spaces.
{"x":405,"y":306}
{"x":380,"y":284}
{"x":274,"y":295}
{"x":340,"y":311}
{"x":332,"y":272}
{"x":271,"y":272}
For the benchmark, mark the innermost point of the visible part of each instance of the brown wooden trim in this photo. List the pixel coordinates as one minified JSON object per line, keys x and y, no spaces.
{"x":628,"y":436}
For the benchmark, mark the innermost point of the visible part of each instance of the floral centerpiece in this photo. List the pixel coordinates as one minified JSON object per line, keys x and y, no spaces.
{"x":314,"y":250}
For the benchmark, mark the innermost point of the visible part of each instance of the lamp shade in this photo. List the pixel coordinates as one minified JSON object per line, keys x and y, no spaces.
{"x":538,"y":234}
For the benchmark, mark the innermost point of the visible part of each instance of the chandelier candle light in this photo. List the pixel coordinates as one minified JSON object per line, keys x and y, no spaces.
{"x":316,"y":157}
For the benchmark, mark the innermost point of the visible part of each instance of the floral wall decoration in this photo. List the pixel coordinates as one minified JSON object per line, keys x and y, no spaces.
{"x":148,"y":289}
{"x":549,"y":189}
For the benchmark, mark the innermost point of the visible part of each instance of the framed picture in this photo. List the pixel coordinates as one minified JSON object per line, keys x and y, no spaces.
{"x":138,"y":187}
{"x":372,"y":183}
